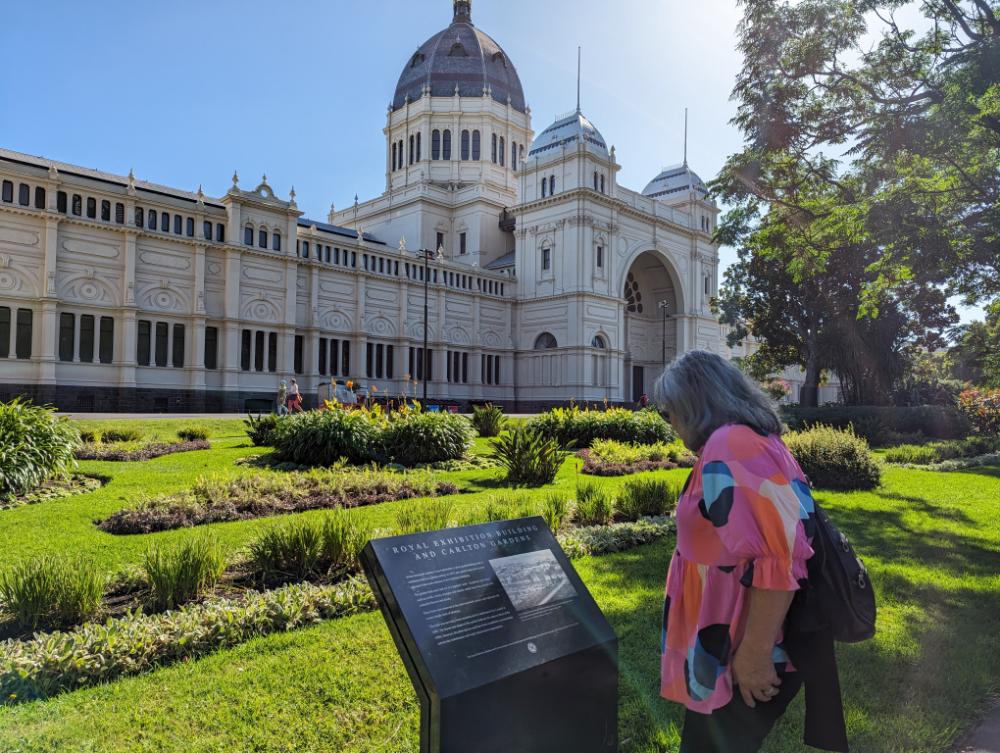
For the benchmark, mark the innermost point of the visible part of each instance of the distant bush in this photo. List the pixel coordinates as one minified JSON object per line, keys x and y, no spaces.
{"x":35,"y":445}
{"x":647,"y":497}
{"x":880,"y":425}
{"x":52,"y":592}
{"x":593,"y":505}
{"x":834,"y":458}
{"x":192,"y":433}
{"x":580,"y":427}
{"x":412,"y":437}
{"x":260,"y":428}
{"x":321,"y":438}
{"x":112,"y":436}
{"x":529,"y":456}
{"x":982,"y":409}
{"x":178,"y":575}
{"x":488,"y":420}
{"x":937,"y":452}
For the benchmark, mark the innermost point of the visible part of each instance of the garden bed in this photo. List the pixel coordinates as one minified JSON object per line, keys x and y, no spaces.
{"x":214,"y":500}
{"x":612,"y":458}
{"x":56,"y":488}
{"x":130,"y":454}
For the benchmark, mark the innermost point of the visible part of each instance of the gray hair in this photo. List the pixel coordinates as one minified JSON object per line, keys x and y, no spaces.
{"x":705,"y":391}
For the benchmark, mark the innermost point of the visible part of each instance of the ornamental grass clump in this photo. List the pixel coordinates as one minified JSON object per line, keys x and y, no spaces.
{"x":35,"y":445}
{"x":834,"y":458}
{"x":303,"y":549}
{"x":555,"y":510}
{"x":507,"y":506}
{"x":580,"y":427}
{"x":180,"y":574}
{"x":424,"y":516}
{"x":413,"y":437}
{"x":646,"y":497}
{"x":528,"y":455}
{"x":115,"y":436}
{"x":593,"y":505}
{"x":192,"y":434}
{"x":52,"y":592}
{"x":488,"y":420}
{"x":260,"y":428}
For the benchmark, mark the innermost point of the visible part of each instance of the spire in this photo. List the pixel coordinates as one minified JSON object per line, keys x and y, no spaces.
{"x":685,"y":137}
{"x":579,"y":63}
{"x":463,"y":12}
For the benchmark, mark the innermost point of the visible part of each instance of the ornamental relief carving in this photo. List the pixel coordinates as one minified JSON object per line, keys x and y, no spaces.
{"x":151,"y":258}
{"x":459,"y":336}
{"x":19,"y":237}
{"x":261,"y":310}
{"x":162,"y":296}
{"x":491,"y":339}
{"x":88,"y":286}
{"x":80,"y":247}
{"x":415,"y":329}
{"x":379,"y":325}
{"x":336,"y":320}
{"x":261,"y":274}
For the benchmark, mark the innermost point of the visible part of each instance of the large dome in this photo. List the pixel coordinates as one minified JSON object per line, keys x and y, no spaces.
{"x":569,"y":129}
{"x":460,"y":57}
{"x":672,"y":181}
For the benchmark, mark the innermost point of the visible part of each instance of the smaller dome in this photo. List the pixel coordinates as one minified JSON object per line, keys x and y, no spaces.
{"x":672,"y":181}
{"x":569,"y":130}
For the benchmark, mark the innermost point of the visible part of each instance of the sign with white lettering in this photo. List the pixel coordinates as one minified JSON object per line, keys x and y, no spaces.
{"x":498,"y":633}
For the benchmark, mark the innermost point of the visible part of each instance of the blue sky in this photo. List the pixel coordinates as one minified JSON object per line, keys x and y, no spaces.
{"x":186,"y":92}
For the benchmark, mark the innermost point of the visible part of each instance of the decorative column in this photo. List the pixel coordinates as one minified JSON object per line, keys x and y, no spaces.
{"x":45,"y":333}
{"x":195,"y":346}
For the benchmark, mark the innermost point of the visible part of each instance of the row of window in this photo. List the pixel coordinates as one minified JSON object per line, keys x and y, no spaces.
{"x":410,"y":151}
{"x":378,"y":363}
{"x":155,"y":341}
{"x":549,"y":185}
{"x":334,"y":357}
{"x":417,"y":361}
{"x":20,"y":322}
{"x":23,"y":194}
{"x":262,"y":238}
{"x":458,"y":368}
{"x":150,"y":219}
{"x":92,"y":331}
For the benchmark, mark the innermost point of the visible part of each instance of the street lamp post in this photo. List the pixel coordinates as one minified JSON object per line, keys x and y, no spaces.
{"x":427,"y":255}
{"x":664,"y":305}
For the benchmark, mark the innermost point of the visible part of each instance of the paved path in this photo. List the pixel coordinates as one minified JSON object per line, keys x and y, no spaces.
{"x":986,"y":737}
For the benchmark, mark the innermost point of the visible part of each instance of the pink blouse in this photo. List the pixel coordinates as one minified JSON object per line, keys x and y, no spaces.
{"x":742,"y":522}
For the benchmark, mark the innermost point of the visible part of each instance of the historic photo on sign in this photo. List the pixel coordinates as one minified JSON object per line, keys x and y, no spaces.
{"x":533,"y":579}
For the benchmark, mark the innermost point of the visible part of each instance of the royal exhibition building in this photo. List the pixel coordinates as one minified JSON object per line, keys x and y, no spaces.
{"x":546,"y":280}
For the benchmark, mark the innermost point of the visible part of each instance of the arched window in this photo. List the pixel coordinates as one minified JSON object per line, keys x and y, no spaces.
{"x":465,"y":145}
{"x":394,"y":156}
{"x":189,"y":227}
{"x":120,"y":213}
{"x":447,"y":144}
{"x":413,"y":143}
{"x":503,"y":151}
{"x":152,"y":219}
{"x":39,"y":198}
{"x":276,"y":241}
{"x":598,"y":342}
{"x":602,"y":183}
{"x":92,"y":208}
{"x":552,"y":185}
{"x":418,"y":147}
{"x":164,"y":222}
{"x":206,"y":230}
{"x":435,"y":144}
{"x":178,"y":225}
{"x":105,"y":211}
{"x":23,"y":194}
{"x":262,"y":238}
{"x":546,"y":259}
{"x":476,"y":153}
{"x":77,"y":208}
{"x":545,"y":185}
{"x":599,"y":362}
{"x":493,"y":153}
{"x":8,"y":191}
{"x":545,"y":341}
{"x":220,"y":233}
{"x":248,"y":235}
{"x":402,"y":155}
{"x":140,"y":217}
{"x":513,"y":155}
{"x":595,"y":180}
{"x":61,"y":201}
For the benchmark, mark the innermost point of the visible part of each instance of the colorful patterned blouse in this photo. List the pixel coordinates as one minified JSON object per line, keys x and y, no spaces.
{"x":742,"y":521}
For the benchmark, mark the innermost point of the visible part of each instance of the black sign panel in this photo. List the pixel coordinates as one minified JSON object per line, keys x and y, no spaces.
{"x":491,"y":616}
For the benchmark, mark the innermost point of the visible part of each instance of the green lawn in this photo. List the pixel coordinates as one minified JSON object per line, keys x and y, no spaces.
{"x":931,"y":540}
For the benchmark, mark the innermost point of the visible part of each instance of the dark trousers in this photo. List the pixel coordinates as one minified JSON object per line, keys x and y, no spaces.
{"x":737,"y":728}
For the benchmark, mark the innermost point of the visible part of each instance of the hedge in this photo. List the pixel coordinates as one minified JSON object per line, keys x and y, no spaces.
{"x":877,"y":424}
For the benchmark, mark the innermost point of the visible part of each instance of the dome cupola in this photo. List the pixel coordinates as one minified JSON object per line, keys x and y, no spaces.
{"x":673,"y":181}
{"x":460,"y":60}
{"x":569,"y":131}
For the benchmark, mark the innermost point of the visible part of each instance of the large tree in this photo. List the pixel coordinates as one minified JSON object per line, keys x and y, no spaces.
{"x":976,"y":353}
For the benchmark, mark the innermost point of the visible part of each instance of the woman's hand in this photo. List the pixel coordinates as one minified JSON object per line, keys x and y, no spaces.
{"x":753,"y":672}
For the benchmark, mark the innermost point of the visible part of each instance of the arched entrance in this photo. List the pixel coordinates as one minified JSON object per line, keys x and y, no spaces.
{"x":652,"y":302}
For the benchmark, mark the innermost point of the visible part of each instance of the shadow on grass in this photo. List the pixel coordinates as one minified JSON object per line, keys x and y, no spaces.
{"x":921,"y":505}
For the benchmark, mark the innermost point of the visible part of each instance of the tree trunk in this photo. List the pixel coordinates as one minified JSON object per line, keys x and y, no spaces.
{"x":809,"y":394}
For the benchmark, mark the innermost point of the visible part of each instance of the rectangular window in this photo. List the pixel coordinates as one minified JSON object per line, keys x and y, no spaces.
{"x":23,"y":195}
{"x":272,"y":352}
{"x":142,"y":340}
{"x":298,"y":353}
{"x":462,"y":243}
{"x":496,"y":369}
{"x":483,"y":370}
{"x":107,"y":346}
{"x":39,"y":198}
{"x":334,"y":357}
{"x":77,"y":207}
{"x":105,"y":210}
{"x":258,"y":351}
{"x":189,"y":227}
{"x":206,"y":230}
{"x":178,"y":224}
{"x":4,"y":332}
{"x":369,"y":357}
{"x":178,"y":348}
{"x":600,"y":257}
{"x":322,"y":356}
{"x":164,"y":222}
{"x":379,"y":361}
{"x":24,"y":325}
{"x":8,"y":191}
{"x":708,"y":285}
{"x":152,"y":219}
{"x":465,"y":368}
{"x":61,"y":202}
{"x":120,"y":213}
{"x":92,"y":208}
{"x":448,"y":358}
{"x":440,"y":242}
{"x":67,"y":324}
{"x":220,"y":233}
{"x":211,"y":348}
{"x":388,"y":361}
{"x":162,"y":339}
{"x":246,"y":349}
{"x":86,"y":338}
{"x":140,"y":217}
{"x":345,"y":358}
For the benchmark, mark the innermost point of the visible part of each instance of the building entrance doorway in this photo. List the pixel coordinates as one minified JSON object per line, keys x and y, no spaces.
{"x":638,"y":382}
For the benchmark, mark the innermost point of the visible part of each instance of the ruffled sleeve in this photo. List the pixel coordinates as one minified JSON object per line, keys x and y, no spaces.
{"x":755,"y":506}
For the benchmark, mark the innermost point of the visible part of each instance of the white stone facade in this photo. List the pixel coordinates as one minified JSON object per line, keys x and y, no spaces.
{"x":121,"y":294}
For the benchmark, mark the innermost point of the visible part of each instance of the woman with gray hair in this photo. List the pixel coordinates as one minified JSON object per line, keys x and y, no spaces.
{"x":744,"y":527}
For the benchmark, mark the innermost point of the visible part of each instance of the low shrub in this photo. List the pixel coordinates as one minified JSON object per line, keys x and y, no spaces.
{"x":594,"y":541}
{"x":111,"y":436}
{"x":555,"y":510}
{"x":580,"y":427}
{"x":834,"y":458}
{"x":426,"y":516}
{"x":90,"y":437}
{"x":321,"y":438}
{"x":646,"y":497}
{"x":529,"y":456}
{"x":260,"y":429}
{"x":178,"y":575}
{"x":53,"y":592}
{"x":223,"y":499}
{"x":982,"y":409}
{"x":608,"y":457}
{"x":35,"y":445}
{"x":488,"y":420}
{"x":593,"y":505}
{"x":287,"y":552}
{"x":878,"y":424}
{"x":192,"y":433}
{"x":343,"y":540}
{"x":958,"y":464}
{"x":146,"y":452}
{"x":937,"y":452}
{"x":413,"y":437}
{"x":506,"y":506}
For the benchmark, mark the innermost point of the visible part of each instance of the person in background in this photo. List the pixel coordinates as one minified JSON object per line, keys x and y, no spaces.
{"x":282,"y":398}
{"x":744,"y":521}
{"x":294,"y":398}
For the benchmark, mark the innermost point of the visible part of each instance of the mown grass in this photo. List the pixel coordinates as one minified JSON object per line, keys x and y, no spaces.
{"x":931,"y":541}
